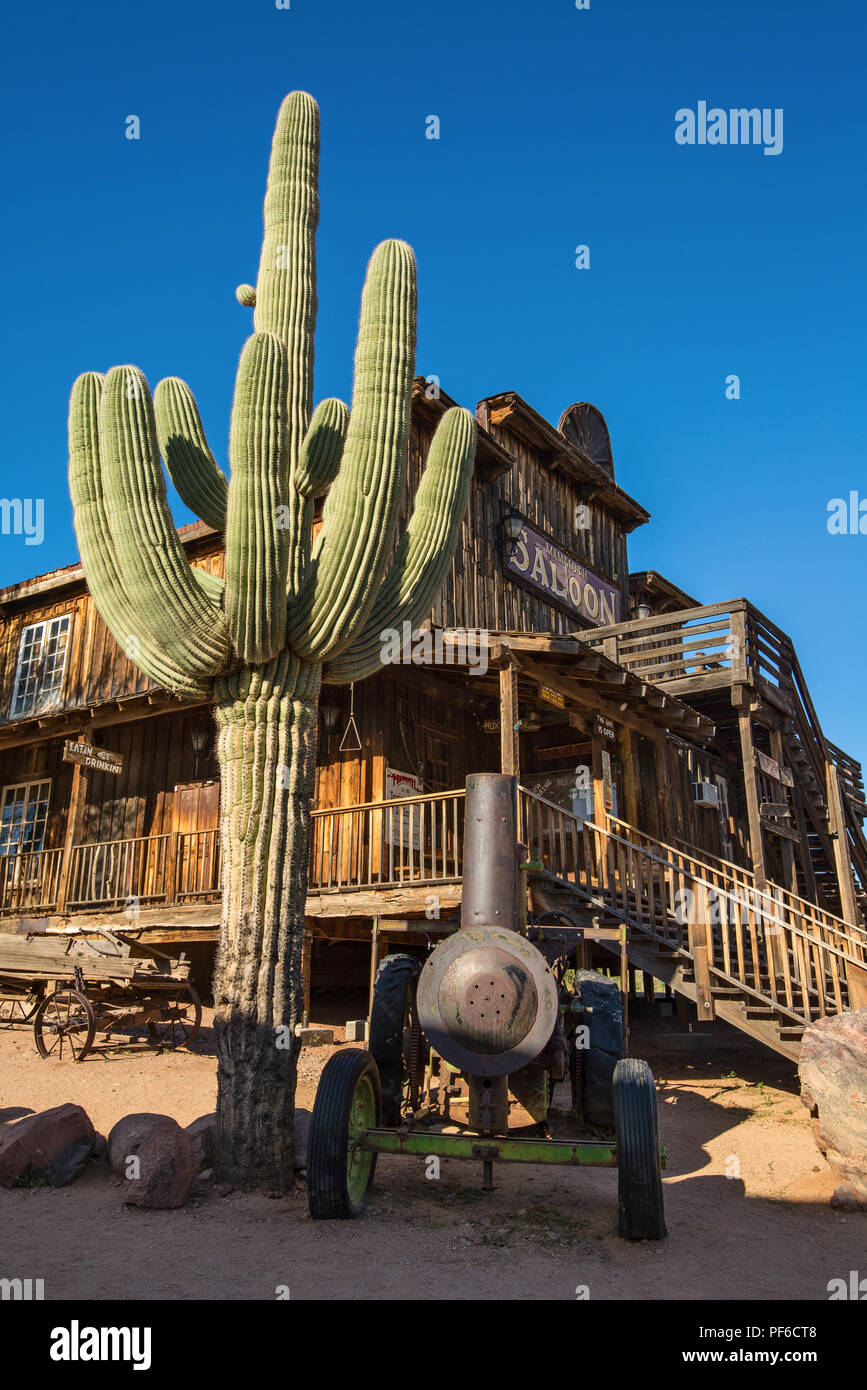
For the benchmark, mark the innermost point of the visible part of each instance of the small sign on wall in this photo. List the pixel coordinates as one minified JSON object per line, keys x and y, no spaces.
{"x":604,"y":727}
{"x":607,"y":783}
{"x":553,"y":697}
{"x":399,"y":821}
{"x":97,"y":759}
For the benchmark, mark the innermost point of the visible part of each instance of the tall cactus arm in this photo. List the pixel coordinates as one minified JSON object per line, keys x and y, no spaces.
{"x":154,"y":571}
{"x":321,"y":453}
{"x":360,"y":513}
{"x":257,"y":537}
{"x":285,"y":296}
{"x":96,"y":547}
{"x":322,"y":449}
{"x":286,"y":286}
{"x":425,"y":551}
{"x":200,"y":483}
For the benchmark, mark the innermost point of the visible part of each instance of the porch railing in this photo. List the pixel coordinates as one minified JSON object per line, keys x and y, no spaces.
{"x":763,"y":943}
{"x":383,"y":844}
{"x":29,"y":881}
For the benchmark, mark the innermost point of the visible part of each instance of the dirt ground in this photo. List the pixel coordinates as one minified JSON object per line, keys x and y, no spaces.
{"x":746,"y":1200}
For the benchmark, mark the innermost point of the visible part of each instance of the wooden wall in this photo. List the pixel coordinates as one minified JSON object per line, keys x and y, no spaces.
{"x":476,"y":592}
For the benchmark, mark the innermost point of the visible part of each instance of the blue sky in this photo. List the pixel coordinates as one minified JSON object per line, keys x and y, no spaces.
{"x":557,"y":129}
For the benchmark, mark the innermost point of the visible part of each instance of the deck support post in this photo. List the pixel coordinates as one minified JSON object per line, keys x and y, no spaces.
{"x":74,"y":825}
{"x":839,"y":839}
{"x":509,"y":759}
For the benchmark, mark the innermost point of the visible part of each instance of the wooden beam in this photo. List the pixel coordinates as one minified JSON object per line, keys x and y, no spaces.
{"x":840,"y":841}
{"x":74,"y":825}
{"x":509,"y":748}
{"x":757,"y":848}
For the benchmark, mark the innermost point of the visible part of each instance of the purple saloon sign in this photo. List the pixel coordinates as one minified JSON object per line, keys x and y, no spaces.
{"x":557,"y":576}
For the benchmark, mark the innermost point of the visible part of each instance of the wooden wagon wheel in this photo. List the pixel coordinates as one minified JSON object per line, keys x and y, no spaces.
{"x":65,"y":1015}
{"x":180,"y":1018}
{"x":16,"y":1010}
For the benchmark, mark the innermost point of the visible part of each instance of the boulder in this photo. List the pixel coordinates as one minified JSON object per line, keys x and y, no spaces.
{"x":302,"y":1131}
{"x":52,"y":1146}
{"x":164,"y":1173}
{"x":203,"y":1137}
{"x":833,"y":1072}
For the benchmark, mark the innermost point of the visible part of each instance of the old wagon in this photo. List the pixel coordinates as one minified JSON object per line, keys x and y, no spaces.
{"x":72,"y":986}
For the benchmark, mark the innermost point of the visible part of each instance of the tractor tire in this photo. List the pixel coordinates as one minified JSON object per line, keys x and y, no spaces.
{"x":393,"y":991}
{"x":348,"y":1099}
{"x":603,"y":1016}
{"x":640,"y":1206}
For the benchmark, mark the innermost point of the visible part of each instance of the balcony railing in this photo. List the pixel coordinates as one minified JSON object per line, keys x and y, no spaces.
{"x":415,"y":840}
{"x":383,"y":844}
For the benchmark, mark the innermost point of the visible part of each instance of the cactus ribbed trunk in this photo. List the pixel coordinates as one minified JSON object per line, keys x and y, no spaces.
{"x":266,"y":718}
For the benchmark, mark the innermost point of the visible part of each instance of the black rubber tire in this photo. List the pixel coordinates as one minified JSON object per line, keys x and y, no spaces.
{"x":640,"y":1205}
{"x":392,"y":992}
{"x":328,"y":1196}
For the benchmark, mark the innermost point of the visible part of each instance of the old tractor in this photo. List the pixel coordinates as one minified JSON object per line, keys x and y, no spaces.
{"x":501,"y":1012}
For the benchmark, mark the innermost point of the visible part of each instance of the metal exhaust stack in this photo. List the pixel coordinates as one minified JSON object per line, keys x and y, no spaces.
{"x":490,"y":887}
{"x":487,"y":999}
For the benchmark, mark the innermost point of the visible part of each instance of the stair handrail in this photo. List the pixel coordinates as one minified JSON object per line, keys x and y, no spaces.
{"x":770,"y":917}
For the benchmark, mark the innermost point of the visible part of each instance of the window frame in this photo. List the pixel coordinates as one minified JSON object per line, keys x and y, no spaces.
{"x":45,"y":625}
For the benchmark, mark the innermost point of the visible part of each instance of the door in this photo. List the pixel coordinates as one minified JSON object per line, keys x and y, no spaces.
{"x":196,"y":824}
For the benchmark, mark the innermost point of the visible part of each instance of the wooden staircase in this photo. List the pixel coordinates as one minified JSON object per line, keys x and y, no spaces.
{"x":764,"y":960}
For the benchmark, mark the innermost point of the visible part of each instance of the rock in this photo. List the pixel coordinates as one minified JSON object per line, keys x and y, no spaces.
{"x":833,"y":1072}
{"x":52,"y":1146}
{"x":166,"y":1167}
{"x":302,"y":1131}
{"x":315,"y":1037}
{"x":203,"y":1136}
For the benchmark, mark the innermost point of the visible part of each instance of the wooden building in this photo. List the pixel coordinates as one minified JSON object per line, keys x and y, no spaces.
{"x":683,"y":734}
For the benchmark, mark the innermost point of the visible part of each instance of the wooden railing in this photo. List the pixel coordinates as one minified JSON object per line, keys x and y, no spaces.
{"x":720,"y":641}
{"x":412,"y":840}
{"x":111,"y":873}
{"x":762,"y":943}
{"x":29,"y":881}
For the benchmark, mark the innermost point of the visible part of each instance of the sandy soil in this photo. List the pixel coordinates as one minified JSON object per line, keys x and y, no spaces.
{"x":765,"y":1232}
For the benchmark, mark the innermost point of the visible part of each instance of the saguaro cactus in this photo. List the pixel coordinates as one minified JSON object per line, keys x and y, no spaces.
{"x":288,"y":612}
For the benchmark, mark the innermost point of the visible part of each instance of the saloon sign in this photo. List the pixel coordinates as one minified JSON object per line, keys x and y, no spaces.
{"x":557,"y":576}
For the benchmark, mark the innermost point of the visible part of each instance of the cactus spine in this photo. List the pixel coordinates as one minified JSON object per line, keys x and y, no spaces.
{"x":288,"y":614}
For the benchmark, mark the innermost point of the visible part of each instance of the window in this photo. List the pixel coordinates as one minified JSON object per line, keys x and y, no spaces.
{"x":23,"y":817}
{"x":41,"y":664}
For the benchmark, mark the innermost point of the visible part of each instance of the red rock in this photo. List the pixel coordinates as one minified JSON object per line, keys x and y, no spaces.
{"x":163,"y":1174}
{"x":52,"y":1146}
{"x":833,"y":1072}
{"x":203,"y":1136}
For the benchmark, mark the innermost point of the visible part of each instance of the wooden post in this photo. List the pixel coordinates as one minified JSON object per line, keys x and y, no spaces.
{"x":74,"y":826}
{"x":374,"y":963}
{"x":837,"y":824}
{"x":509,"y":759}
{"x":306,"y":974}
{"x":627,"y":753}
{"x":697,"y":932}
{"x":788,"y":849}
{"x":748,"y":758}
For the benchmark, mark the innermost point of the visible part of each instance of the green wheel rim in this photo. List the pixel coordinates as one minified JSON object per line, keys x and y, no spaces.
{"x":362,"y":1116}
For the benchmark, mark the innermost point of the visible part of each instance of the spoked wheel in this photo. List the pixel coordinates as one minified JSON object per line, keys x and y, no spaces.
{"x":641,"y":1214}
{"x":348,"y":1101}
{"x":180,"y":1018}
{"x":14,"y":1009}
{"x":393,"y":1012}
{"x":64,"y":1017}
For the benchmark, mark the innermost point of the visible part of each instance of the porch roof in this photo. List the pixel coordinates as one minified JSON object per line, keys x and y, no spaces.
{"x":590,"y":681}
